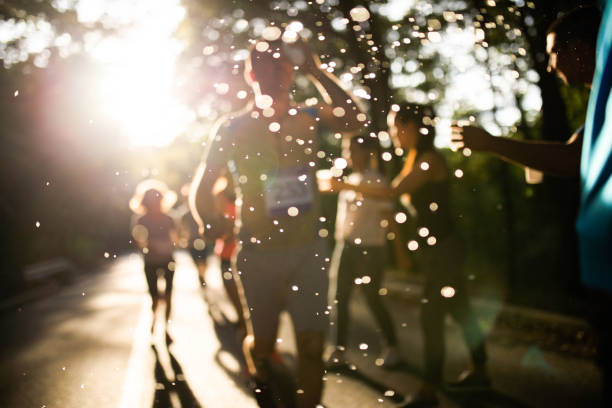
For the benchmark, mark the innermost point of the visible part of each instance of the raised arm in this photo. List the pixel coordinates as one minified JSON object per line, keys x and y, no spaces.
{"x":340,"y":109}
{"x":555,"y":158}
{"x":212,"y":223}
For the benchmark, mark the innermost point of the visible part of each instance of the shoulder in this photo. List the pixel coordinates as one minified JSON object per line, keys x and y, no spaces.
{"x":226,"y":125}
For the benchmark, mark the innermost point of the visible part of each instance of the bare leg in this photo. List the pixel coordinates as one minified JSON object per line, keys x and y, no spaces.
{"x":257,"y":352}
{"x":310,"y":368}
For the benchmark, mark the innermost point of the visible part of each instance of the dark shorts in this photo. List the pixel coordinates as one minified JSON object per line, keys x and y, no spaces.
{"x":153,"y":270}
{"x":200,"y":255}
{"x":294,"y":280}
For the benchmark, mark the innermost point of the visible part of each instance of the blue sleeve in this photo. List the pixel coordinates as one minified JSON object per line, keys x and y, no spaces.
{"x":594,"y":223}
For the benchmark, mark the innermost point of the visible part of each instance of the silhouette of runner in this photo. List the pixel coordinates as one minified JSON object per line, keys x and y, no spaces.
{"x":271,"y":148}
{"x":155,"y":232}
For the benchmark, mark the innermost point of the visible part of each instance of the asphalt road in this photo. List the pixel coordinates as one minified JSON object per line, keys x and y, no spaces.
{"x":89,"y":345}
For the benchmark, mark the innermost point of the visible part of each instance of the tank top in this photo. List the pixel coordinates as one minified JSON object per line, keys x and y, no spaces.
{"x":434,"y":218}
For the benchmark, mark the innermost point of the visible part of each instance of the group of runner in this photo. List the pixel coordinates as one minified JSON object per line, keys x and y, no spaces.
{"x":267,"y":155}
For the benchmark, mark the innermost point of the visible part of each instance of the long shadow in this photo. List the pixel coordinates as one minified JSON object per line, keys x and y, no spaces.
{"x":485,"y":399}
{"x":369,"y":381}
{"x":278,"y":392}
{"x":165,"y":387}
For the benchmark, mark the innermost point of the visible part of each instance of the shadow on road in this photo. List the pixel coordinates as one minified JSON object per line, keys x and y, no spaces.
{"x":173,"y":387}
{"x":484,"y":399}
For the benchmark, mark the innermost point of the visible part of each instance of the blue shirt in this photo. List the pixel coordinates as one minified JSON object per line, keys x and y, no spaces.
{"x":594,"y":223}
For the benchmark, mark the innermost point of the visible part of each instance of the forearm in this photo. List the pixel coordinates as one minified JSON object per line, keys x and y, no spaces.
{"x":333,"y":94}
{"x":382,"y":192}
{"x":558,"y":159}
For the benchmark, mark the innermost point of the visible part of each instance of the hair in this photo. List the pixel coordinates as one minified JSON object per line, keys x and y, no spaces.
{"x":148,"y":187}
{"x":580,"y":23}
{"x":423,"y":116}
{"x":257,"y":59}
{"x":369,"y":144}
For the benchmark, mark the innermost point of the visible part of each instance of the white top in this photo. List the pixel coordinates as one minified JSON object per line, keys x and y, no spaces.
{"x":360,"y":220}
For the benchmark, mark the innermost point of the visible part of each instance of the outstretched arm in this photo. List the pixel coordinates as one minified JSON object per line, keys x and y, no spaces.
{"x":555,"y":158}
{"x":427,"y":168}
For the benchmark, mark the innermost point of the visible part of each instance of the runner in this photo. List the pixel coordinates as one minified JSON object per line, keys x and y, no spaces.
{"x":362,"y":224}
{"x":272,"y":149}
{"x":155,"y":233}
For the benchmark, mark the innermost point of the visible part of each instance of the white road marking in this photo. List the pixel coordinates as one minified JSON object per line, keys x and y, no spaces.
{"x":133,"y":393}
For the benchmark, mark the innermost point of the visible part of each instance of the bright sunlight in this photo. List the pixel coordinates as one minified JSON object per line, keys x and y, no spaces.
{"x":136,"y":85}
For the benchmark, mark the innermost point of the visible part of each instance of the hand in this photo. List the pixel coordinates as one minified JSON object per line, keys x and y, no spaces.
{"x":471,"y":137}
{"x":338,"y":185}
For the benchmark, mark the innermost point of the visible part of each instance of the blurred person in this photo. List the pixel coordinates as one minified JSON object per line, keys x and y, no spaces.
{"x":445,"y":286}
{"x":155,"y":232}
{"x":189,"y":236}
{"x":570,"y":44}
{"x":578,"y":46}
{"x":362,"y":224}
{"x":282,"y":262}
{"x":226,"y":246}
{"x":594,"y":224}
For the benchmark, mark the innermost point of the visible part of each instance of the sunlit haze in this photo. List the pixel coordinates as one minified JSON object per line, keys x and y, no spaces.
{"x":136,"y":83}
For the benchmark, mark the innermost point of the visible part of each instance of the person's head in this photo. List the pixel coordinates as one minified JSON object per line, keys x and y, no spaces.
{"x":151,"y":201}
{"x":361,"y":152}
{"x":268,"y":70}
{"x":412,"y":126}
{"x":152,"y":196}
{"x":571,"y":41}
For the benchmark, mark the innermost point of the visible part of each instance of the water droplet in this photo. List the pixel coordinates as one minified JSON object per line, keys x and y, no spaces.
{"x":340,"y":163}
{"x":338,"y":112}
{"x":263,"y":101}
{"x":360,"y":14}
{"x":447,"y":292}
{"x":271,"y":33}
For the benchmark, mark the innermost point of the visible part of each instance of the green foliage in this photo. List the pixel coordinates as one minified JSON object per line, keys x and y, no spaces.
{"x":519,"y":236}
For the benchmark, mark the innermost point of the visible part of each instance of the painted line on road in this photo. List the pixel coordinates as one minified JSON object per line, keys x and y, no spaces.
{"x":132,"y":394}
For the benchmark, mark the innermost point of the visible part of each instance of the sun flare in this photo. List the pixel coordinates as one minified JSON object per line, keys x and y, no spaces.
{"x":136,"y":86}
